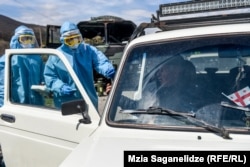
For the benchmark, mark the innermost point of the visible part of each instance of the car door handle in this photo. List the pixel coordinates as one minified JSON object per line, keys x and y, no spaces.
{"x":8,"y":118}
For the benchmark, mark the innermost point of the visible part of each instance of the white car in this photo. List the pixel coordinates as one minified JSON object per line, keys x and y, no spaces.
{"x":204,"y":117}
{"x":210,"y":115}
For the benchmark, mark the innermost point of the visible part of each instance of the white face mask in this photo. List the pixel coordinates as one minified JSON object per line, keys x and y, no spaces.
{"x":27,"y":45}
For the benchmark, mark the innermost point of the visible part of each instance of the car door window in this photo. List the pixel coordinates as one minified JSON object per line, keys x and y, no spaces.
{"x":34,"y":81}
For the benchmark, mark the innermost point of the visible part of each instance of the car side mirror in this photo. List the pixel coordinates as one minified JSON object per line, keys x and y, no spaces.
{"x":75,"y":107}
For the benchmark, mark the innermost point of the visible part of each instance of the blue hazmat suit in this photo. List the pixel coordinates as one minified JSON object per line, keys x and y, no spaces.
{"x":2,"y":64}
{"x":84,"y":58}
{"x":26,"y":71}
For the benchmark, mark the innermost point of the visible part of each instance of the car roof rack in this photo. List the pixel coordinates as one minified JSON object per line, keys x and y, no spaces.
{"x":196,"y":13}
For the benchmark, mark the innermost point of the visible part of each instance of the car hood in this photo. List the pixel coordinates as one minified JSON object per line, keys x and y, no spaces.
{"x":107,"y":149}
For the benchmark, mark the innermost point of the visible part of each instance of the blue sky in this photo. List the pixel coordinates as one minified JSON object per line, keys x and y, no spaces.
{"x":43,"y":12}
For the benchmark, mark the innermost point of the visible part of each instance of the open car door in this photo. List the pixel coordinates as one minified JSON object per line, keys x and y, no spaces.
{"x":39,"y":135}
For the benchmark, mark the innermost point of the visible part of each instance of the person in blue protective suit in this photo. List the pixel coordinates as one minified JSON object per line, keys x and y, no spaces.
{"x":26,"y":70}
{"x":2,"y":63}
{"x":83,"y":58}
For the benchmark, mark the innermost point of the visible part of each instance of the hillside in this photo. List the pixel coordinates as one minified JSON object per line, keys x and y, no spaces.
{"x":8,"y":26}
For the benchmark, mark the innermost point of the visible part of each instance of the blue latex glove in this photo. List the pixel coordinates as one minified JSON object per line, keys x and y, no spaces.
{"x":66,"y":90}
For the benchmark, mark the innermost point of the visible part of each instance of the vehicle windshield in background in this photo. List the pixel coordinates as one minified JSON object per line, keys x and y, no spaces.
{"x":204,"y":78}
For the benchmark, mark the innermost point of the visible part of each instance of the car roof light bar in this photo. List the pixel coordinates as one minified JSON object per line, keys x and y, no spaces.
{"x":196,"y":13}
{"x":201,"y":6}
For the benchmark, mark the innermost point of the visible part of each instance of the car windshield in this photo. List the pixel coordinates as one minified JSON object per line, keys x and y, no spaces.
{"x":208,"y":78}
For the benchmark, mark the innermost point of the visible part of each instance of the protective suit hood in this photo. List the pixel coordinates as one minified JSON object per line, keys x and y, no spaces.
{"x":21,"y":30}
{"x":68,"y":28}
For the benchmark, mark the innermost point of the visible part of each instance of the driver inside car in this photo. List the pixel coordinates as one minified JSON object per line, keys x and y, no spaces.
{"x":171,"y":89}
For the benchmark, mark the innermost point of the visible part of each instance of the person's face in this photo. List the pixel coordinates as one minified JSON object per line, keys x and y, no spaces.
{"x":168,"y":75}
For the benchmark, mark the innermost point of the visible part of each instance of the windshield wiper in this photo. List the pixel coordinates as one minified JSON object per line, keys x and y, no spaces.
{"x":157,"y":110}
{"x":190,"y":116}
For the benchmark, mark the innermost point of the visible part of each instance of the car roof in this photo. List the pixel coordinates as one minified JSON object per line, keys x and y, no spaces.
{"x":193,"y":32}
